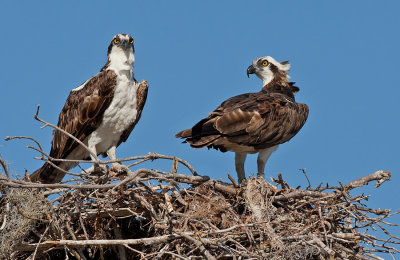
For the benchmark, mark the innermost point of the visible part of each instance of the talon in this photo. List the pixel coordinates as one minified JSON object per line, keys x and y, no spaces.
{"x":117,"y":169}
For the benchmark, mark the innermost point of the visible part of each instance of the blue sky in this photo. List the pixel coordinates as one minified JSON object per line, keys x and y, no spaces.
{"x":344,"y":56}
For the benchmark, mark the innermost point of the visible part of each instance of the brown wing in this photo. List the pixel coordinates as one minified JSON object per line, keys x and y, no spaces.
{"x":258,"y":119}
{"x":141,"y":96}
{"x":273,"y":119}
{"x":83,"y":112}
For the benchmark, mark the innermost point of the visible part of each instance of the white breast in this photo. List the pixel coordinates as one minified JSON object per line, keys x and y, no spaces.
{"x":118,"y":116}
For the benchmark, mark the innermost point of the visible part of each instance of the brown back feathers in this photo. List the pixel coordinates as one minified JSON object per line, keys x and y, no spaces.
{"x":257,"y":120}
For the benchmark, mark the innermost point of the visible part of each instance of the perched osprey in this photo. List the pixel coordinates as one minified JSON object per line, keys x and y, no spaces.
{"x":253,"y":122}
{"x":101,"y":112}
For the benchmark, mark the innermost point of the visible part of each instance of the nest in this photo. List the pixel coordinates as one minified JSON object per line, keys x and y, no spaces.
{"x":151,"y":214}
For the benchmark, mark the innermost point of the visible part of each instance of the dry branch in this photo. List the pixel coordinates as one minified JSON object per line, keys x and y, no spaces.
{"x":101,"y":242}
{"x":209,"y":219}
{"x":5,"y":168}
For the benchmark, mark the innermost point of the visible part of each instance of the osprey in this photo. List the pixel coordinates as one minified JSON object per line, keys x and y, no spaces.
{"x":101,"y":112}
{"x":253,"y":122}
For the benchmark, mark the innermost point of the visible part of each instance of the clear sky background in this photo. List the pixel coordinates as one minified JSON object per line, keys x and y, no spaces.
{"x":344,"y":55}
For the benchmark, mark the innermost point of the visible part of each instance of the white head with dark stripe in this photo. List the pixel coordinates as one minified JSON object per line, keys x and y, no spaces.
{"x":268,"y":69}
{"x":121,"y":53}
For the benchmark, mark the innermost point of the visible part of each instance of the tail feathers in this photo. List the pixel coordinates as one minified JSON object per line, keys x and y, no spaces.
{"x":197,"y":142}
{"x":47,"y":174}
{"x":201,"y":134}
{"x":184,"y":134}
{"x":202,"y":141}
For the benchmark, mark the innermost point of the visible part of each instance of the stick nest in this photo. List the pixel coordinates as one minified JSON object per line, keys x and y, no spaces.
{"x":150,"y":214}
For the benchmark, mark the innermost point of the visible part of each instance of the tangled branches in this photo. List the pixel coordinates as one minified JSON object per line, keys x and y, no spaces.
{"x":154,"y":214}
{"x":149,"y":214}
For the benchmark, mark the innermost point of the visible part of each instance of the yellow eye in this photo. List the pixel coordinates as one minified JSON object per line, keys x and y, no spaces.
{"x":116,"y":41}
{"x":265,"y":63}
{"x":131,"y":42}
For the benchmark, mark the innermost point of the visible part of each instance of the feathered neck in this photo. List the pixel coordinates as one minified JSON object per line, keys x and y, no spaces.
{"x":281,"y":85}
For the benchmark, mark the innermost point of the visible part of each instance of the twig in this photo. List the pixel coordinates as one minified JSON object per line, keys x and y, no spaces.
{"x":145,"y":204}
{"x":303,"y":170}
{"x":4,"y":165}
{"x":233,"y":181}
{"x":295,"y":194}
{"x":97,"y":160}
{"x":379,"y":176}
{"x":224,"y":188}
{"x":24,"y":137}
{"x":84,"y":243}
{"x":23,"y":184}
{"x":317,"y":241}
{"x":322,"y":224}
{"x":199,"y":244}
{"x":161,"y":156}
{"x":68,"y":227}
{"x":7,"y":210}
{"x":40,"y":240}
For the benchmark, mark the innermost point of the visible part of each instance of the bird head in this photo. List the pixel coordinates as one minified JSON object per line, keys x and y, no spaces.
{"x":267,"y":69}
{"x":121,"y":52}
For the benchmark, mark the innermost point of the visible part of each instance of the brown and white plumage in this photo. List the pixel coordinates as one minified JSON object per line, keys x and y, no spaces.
{"x":253,"y":122}
{"x":101,"y":112}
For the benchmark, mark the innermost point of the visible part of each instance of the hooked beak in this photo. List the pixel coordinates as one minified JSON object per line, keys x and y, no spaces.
{"x":251,"y":70}
{"x":125,"y":44}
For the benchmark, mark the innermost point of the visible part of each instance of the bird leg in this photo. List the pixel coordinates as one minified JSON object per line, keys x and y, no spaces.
{"x":263,"y":158}
{"x":115,"y":166}
{"x":239,"y":164}
{"x":96,"y":168}
{"x":111,"y":154}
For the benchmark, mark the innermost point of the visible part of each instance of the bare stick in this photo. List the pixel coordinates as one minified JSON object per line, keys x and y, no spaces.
{"x":225,"y":189}
{"x":379,"y":176}
{"x":24,"y":137}
{"x":198,"y":242}
{"x":322,"y":245}
{"x":40,"y":240}
{"x":295,"y":194}
{"x":84,"y":243}
{"x":233,"y":181}
{"x":68,"y":134}
{"x":323,"y":225}
{"x":4,"y":165}
{"x":23,"y":184}
{"x":7,"y":209}
{"x":303,"y":170}
{"x":161,"y":156}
